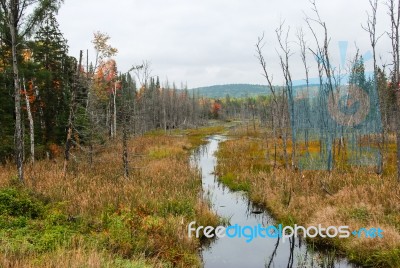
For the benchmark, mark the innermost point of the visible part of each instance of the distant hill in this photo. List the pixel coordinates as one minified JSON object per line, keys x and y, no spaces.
{"x":233,"y":90}
{"x":244,"y":90}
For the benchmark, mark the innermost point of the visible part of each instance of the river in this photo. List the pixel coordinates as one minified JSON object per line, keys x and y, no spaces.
{"x":235,"y":206}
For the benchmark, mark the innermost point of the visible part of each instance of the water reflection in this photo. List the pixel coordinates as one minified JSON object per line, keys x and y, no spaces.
{"x":235,"y":206}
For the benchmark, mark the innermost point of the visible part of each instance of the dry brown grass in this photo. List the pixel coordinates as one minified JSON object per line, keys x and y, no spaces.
{"x":145,"y":214}
{"x":356,"y":197}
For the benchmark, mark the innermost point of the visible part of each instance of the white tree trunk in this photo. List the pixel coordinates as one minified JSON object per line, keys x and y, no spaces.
{"x":31,"y":126}
{"x":115,"y":112}
{"x":17,"y":98}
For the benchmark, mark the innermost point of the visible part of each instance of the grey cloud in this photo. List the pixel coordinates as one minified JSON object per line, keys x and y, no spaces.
{"x":210,"y":41}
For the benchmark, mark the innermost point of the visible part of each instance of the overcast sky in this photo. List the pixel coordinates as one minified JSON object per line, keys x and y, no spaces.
{"x":207,"y":42}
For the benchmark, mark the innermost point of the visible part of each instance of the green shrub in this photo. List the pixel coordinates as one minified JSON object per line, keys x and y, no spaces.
{"x":17,"y":203}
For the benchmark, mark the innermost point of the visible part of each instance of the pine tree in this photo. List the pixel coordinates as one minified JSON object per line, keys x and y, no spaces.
{"x":52,"y":78}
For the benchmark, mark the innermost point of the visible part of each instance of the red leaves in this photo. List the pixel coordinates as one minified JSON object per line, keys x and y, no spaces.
{"x":216,"y":107}
{"x":105,"y":78}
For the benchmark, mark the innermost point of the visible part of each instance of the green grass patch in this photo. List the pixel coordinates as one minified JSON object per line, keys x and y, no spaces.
{"x":197,"y":136}
{"x":232,"y":181}
{"x":16,"y":203}
{"x":361,"y":214}
{"x":178,"y":208}
{"x":28,"y":225}
{"x":159,"y":153}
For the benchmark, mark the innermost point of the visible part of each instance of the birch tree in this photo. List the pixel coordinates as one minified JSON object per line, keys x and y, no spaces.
{"x":31,"y":125}
{"x":21,"y":17}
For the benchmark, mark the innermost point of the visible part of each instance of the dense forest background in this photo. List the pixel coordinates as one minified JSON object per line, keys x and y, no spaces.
{"x":90,"y":100}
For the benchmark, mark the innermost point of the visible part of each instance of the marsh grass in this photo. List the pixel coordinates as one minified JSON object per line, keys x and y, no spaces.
{"x":353,"y":196}
{"x":96,"y":217}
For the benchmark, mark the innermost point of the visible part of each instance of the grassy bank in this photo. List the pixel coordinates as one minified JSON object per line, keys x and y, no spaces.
{"x":356,"y":197}
{"x":95,"y":217}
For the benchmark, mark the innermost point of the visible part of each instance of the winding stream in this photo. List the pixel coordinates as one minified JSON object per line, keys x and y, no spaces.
{"x":235,"y":206}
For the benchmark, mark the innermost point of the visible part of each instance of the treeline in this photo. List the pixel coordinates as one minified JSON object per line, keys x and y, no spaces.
{"x":259,"y":109}
{"x":51,"y":102}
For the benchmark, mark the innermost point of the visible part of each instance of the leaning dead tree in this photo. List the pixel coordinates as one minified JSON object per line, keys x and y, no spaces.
{"x":326,"y":77}
{"x":303,"y":53}
{"x":259,"y":46}
{"x":283,"y":40}
{"x":71,"y":116}
{"x":370,"y":28}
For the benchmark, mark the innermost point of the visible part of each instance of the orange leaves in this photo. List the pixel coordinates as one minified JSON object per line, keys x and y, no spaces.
{"x":106,"y":73}
{"x":57,"y":84}
{"x":102,"y":47}
{"x":105,"y":79}
{"x":55,"y":150}
{"x":29,"y":92}
{"x":27,"y":54}
{"x":216,"y":107}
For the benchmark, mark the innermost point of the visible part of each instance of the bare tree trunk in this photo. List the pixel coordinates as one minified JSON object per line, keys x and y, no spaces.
{"x":115,"y":111}
{"x":91,"y":143}
{"x":111,"y":115}
{"x":323,"y":61}
{"x":31,"y":125}
{"x":274,"y":134}
{"x":125,"y":143}
{"x":398,"y":135}
{"x":17,"y":96}
{"x":371,"y":29}
{"x":284,"y":45}
{"x":108,"y":119}
{"x":71,"y":116}
{"x":303,"y":48}
{"x":261,"y":59}
{"x":164,"y":111}
{"x":394,"y":36}
{"x":283,"y":129}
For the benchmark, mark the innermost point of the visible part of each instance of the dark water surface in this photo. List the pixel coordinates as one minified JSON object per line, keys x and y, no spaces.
{"x":235,"y":206}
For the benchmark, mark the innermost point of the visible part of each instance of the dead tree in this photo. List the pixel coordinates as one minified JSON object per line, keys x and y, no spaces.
{"x":370,"y":28}
{"x":324,"y":67}
{"x":71,"y":116}
{"x":125,"y":121}
{"x":394,"y":13}
{"x":303,"y":54}
{"x":288,"y":89}
{"x":259,"y":46}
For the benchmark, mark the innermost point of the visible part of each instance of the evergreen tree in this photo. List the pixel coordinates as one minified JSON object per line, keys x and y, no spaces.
{"x":52,"y":79}
{"x":357,"y":76}
{"x":17,"y":20}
